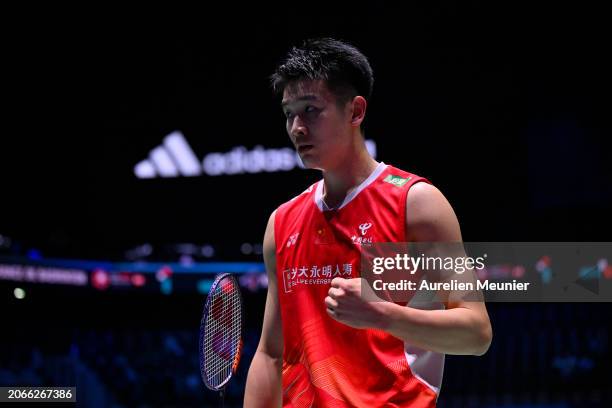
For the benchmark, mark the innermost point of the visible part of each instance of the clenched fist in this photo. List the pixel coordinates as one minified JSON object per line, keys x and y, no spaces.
{"x":351,"y":301}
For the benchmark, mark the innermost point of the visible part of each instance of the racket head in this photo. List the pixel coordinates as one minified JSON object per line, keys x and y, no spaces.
{"x":221,"y":330}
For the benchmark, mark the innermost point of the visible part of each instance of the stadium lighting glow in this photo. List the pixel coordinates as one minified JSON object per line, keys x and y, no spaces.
{"x":19,"y":293}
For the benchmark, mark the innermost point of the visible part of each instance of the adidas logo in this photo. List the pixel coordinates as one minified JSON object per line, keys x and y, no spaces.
{"x":175,"y":158}
{"x":172,"y":158}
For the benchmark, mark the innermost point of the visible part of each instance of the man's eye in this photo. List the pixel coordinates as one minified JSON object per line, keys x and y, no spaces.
{"x":288,"y":115}
{"x":309,"y":109}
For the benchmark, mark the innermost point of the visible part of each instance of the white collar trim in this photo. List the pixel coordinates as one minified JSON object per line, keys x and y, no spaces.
{"x":318,"y":196}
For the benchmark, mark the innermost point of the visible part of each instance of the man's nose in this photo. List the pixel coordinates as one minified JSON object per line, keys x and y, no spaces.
{"x":298,"y":127}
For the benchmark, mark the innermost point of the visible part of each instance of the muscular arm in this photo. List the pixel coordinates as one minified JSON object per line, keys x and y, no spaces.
{"x":464,"y":327}
{"x":263,"y":387}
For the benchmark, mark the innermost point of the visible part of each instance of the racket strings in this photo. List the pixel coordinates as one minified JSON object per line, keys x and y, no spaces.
{"x":223,"y":329}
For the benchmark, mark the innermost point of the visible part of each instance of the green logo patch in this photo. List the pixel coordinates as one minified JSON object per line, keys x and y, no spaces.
{"x":396,"y":180}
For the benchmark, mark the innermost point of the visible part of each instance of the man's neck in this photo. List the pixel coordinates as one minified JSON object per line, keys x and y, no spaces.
{"x":346,"y":176}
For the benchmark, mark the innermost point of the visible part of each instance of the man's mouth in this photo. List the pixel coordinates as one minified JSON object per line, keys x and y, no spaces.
{"x":304,"y":148}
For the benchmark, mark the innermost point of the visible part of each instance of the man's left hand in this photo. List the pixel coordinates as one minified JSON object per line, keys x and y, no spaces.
{"x":346,"y":304}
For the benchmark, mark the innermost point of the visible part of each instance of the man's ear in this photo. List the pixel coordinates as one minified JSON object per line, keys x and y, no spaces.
{"x":359,"y":105}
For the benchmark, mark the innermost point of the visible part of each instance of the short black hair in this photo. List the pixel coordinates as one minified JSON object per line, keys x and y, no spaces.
{"x":345,"y":70}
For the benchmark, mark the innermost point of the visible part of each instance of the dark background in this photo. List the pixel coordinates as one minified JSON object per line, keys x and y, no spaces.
{"x":504,"y":107}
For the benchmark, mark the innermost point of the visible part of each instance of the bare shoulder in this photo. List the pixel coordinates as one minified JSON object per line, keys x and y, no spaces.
{"x":269,"y":234}
{"x":269,"y":246}
{"x":429,"y":215}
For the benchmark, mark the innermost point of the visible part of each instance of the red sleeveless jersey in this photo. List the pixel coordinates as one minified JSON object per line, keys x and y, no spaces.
{"x":327,"y":363}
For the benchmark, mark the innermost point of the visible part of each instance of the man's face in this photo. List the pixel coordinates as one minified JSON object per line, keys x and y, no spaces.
{"x":319,"y":129}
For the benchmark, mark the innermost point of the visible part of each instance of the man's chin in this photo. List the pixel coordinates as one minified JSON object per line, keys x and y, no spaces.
{"x":309,"y":162}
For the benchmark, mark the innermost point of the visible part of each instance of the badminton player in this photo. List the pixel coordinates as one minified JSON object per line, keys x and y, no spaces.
{"x":322,"y":344}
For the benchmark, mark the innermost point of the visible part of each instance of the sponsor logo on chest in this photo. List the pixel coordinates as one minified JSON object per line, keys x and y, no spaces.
{"x":315,"y":274}
{"x":363,"y":236}
{"x":293,"y":239}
